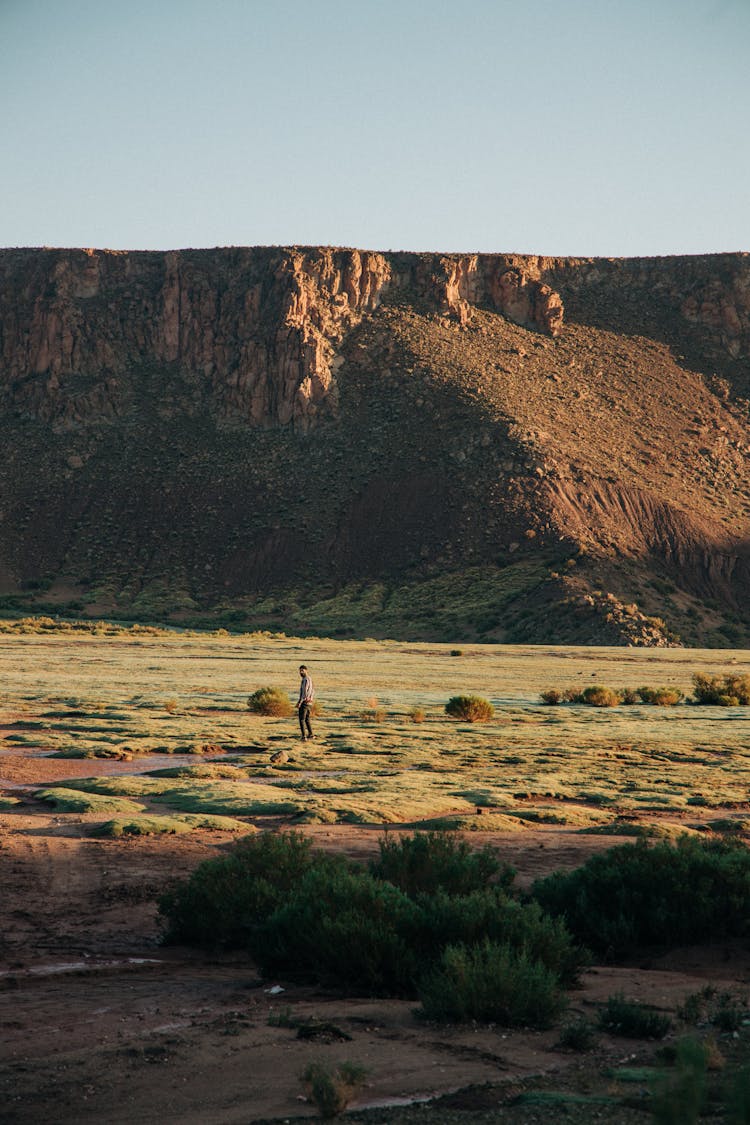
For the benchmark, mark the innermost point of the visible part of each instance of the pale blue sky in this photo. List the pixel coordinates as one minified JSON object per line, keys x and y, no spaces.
{"x":608,"y":127}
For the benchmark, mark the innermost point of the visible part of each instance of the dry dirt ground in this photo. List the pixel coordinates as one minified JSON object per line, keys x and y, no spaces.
{"x":100,"y":1023}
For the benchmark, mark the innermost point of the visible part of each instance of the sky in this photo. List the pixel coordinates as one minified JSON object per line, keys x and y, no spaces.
{"x":574,"y":127}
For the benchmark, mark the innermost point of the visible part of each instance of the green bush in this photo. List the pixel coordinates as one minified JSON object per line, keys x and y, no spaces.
{"x":342,"y":927}
{"x":270,"y":701}
{"x":660,"y":696}
{"x":578,"y":1035}
{"x":491,"y":982}
{"x":721,"y":691}
{"x":632,"y":1020}
{"x":225,"y":897}
{"x":319,"y":918}
{"x":444,"y":920}
{"x":679,"y":1095}
{"x":431,"y":861}
{"x":664,"y":894}
{"x":469,"y":708}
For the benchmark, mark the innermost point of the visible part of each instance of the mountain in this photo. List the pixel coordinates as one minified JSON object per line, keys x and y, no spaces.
{"x":427,"y":446}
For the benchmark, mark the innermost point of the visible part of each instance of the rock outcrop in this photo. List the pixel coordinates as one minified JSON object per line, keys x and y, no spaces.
{"x":207,"y":427}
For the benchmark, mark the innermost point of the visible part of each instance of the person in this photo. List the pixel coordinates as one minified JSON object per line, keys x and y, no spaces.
{"x":304,"y":704}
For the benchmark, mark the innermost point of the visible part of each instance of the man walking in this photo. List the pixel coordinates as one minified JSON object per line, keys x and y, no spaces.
{"x":304,"y":704}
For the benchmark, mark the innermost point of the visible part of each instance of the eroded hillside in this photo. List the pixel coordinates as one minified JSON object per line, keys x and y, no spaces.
{"x":344,"y":442}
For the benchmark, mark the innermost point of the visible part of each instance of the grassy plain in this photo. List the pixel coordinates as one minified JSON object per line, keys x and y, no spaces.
{"x":171,"y":712}
{"x":126,"y":759}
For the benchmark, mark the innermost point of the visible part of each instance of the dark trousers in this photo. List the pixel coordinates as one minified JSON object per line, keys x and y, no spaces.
{"x":304,"y":719}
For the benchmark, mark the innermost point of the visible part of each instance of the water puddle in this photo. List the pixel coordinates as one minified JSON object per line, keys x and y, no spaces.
{"x":397,"y":1102}
{"x":88,"y":966}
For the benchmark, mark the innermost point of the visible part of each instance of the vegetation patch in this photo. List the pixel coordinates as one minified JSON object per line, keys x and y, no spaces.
{"x":68,"y":800}
{"x":632,"y":1019}
{"x":270,"y":701}
{"x":429,"y":861}
{"x":166,"y":825}
{"x":491,"y":983}
{"x":316,"y":917}
{"x":662,"y":895}
{"x":721,"y":691}
{"x":469,"y":708}
{"x":331,"y":1090}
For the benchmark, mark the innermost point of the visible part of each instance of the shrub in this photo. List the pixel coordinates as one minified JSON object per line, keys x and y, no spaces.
{"x":628,"y":696}
{"x":579,"y":1035}
{"x":331,"y":1091}
{"x":432,"y":861}
{"x":270,"y":701}
{"x":678,"y":1096}
{"x":226,"y":896}
{"x":598,"y":696}
{"x":637,"y":895}
{"x":457,"y":652}
{"x":318,"y":918}
{"x":551,"y":697}
{"x":342,"y":927}
{"x":417,"y":715}
{"x":444,"y":920}
{"x":660,"y":696}
{"x":469,"y":708}
{"x":493,"y":983}
{"x":721,"y":691}
{"x":633,"y":1020}
{"x":572,"y":695}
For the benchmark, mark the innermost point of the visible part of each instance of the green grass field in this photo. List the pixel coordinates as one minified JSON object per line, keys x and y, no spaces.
{"x":134,"y":697}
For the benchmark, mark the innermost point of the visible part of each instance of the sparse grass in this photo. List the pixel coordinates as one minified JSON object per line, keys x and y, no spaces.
{"x":537,"y":763}
{"x":632,"y":1019}
{"x":332,"y":1090}
{"x":166,"y":825}
{"x":578,"y":1035}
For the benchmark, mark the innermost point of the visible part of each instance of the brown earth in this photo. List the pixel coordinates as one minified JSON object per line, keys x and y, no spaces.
{"x":101,"y":1023}
{"x":247,"y":436}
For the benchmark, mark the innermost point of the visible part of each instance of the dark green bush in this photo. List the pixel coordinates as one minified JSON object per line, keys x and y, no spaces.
{"x":469,"y":708}
{"x":342,"y":927}
{"x":663,"y":894}
{"x":225,"y":897}
{"x":319,"y":918}
{"x":679,"y":1095}
{"x":429,"y":861}
{"x":468,"y":919}
{"x":721,"y":691}
{"x":578,"y":1035}
{"x":633,"y":1020}
{"x":270,"y":701}
{"x":491,"y":982}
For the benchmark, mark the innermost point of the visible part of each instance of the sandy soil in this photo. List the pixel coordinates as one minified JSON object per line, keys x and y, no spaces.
{"x":100,"y":1023}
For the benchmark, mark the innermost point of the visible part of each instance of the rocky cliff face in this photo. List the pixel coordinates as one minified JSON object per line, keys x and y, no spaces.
{"x":251,"y":419}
